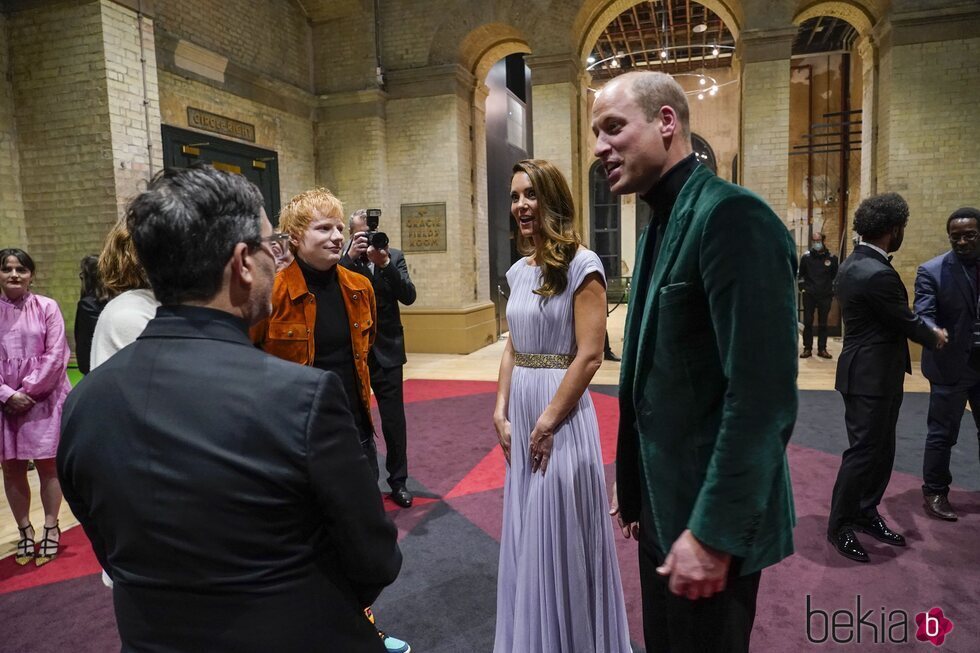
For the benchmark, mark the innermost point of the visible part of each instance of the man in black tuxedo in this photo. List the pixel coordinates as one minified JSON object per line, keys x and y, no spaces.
{"x":870,"y":372}
{"x":388,"y":272}
{"x":947,"y":294}
{"x":223,"y":489}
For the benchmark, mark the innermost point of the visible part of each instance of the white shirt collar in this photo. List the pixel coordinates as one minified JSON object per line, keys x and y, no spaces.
{"x":877,"y":249}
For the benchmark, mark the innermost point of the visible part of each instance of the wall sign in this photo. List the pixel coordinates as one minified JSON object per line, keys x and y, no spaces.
{"x":212,"y":122}
{"x":424,"y":227}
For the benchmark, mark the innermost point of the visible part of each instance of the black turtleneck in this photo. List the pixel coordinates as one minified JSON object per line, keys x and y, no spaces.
{"x":664,"y":193}
{"x":662,"y":197}
{"x":331,"y":333}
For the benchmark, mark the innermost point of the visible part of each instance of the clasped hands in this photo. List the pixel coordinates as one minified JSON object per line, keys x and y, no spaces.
{"x":942,"y":337}
{"x":18,"y":403}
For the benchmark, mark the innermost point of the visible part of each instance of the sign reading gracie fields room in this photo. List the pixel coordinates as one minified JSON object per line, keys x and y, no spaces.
{"x":424,"y":227}
{"x":212,"y":122}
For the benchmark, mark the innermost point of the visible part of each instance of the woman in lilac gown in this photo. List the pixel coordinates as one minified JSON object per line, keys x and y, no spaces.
{"x":558,"y":584}
{"x":33,"y":387}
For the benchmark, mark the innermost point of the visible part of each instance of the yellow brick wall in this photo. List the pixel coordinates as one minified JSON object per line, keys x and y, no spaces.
{"x":425,"y":139}
{"x":344,"y":54}
{"x":134,"y":128}
{"x":271,"y":37}
{"x":933,"y":95}
{"x":13,"y":231}
{"x":289,"y":135}
{"x":66,"y":154}
{"x":351,"y":156}
{"x":765,"y":132}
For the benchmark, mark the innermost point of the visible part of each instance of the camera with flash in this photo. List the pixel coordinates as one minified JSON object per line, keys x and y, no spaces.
{"x":377,"y":239}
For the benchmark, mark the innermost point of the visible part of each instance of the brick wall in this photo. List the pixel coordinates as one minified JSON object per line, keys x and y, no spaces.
{"x":289,"y":135}
{"x":271,"y":37}
{"x":427,"y":162}
{"x":13,"y":231}
{"x":932,"y":91}
{"x":765,"y":131}
{"x":137,"y":148}
{"x":66,"y":154}
{"x":345,"y":54}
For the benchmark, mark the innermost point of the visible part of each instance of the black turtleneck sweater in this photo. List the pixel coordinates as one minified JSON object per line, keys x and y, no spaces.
{"x":331,"y":333}
{"x":662,"y":197}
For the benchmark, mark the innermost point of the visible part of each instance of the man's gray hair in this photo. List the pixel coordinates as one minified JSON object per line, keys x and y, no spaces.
{"x":655,"y":90}
{"x":359,"y":213}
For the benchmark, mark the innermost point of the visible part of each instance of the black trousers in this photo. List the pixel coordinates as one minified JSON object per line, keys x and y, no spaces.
{"x":387,"y":385}
{"x":866,"y":465}
{"x":946,"y":406}
{"x":674,"y":624}
{"x":820,"y":305}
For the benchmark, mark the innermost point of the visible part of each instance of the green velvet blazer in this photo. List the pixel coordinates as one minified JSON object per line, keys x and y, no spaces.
{"x":710,"y":364}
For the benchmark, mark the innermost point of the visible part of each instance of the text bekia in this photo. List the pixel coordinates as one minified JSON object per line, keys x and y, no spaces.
{"x":857,"y":626}
{"x":873,"y":625}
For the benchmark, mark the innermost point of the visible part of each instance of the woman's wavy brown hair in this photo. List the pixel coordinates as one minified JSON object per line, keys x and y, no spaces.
{"x":557,"y":240}
{"x":118,"y":265}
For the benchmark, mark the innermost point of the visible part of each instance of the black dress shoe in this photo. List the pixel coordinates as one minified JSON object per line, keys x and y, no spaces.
{"x":823,"y":353}
{"x":610,"y":356}
{"x":937,"y":505}
{"x":878,"y":529}
{"x":806,"y":353}
{"x":846,"y":543}
{"x":402,"y":497}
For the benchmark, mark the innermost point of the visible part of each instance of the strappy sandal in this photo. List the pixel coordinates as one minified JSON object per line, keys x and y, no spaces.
{"x":47,"y":549}
{"x":25,"y":546}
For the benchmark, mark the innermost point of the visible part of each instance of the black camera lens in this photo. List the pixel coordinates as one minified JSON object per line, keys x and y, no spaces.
{"x":378,"y":240}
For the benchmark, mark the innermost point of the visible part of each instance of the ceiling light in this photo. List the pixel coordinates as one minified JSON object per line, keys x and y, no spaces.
{"x":714,"y":90}
{"x":700,"y":28}
{"x":700,"y":96}
{"x":591,"y":59}
{"x":702,"y":81}
{"x":663,"y":54}
{"x":715,"y":51}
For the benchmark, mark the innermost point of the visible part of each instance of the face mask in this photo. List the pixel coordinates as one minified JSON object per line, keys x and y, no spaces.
{"x":818,"y":247}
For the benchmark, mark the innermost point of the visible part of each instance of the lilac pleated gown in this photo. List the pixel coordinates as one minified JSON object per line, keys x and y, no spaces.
{"x":558,"y":584}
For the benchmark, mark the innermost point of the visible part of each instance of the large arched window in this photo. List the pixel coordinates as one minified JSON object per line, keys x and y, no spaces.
{"x":604,"y":211}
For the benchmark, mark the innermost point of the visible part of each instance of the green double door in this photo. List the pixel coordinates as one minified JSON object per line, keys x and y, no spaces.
{"x":182,"y":147}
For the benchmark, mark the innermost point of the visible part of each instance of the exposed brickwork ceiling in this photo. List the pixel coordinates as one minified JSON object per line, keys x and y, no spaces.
{"x":824,"y":34}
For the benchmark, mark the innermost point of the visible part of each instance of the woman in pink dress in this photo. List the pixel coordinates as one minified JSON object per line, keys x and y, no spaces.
{"x":33,"y":386}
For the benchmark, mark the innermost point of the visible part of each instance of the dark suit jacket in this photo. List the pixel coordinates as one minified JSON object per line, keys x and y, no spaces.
{"x":708,"y":385}
{"x":944,"y":298}
{"x":87,"y":313}
{"x":391,"y":285}
{"x":226,"y":494}
{"x":877,"y":321}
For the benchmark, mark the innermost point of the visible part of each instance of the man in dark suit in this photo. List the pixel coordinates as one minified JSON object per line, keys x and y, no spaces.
{"x":223,"y":490}
{"x":388,"y":272}
{"x":871,"y":370}
{"x":708,"y":378}
{"x":946,"y":296}
{"x":818,"y":268}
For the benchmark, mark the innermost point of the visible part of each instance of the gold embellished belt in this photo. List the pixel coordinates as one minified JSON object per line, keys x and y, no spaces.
{"x":544,"y":361}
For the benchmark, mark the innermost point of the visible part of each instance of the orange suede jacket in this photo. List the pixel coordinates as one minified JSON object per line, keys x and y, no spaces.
{"x":288,"y":332}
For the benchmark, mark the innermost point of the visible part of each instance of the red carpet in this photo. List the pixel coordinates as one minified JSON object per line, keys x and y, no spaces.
{"x":444,"y":599}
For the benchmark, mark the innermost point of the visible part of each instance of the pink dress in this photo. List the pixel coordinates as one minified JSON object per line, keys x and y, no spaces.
{"x":33,"y":360}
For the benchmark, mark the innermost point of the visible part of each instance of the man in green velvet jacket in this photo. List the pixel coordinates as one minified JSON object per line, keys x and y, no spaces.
{"x":708,"y":386}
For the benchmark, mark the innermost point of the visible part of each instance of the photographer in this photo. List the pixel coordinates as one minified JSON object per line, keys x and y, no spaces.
{"x":368,"y":253}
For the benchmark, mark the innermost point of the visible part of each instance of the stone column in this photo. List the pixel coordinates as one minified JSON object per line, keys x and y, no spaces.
{"x":764,"y":151}
{"x":868,"y":52}
{"x":560,"y":119}
{"x":88,"y":128}
{"x":929,"y":94}
{"x":437,"y":155}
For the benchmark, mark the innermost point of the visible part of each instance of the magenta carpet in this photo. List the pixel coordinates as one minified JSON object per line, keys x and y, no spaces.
{"x":444,"y":599}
